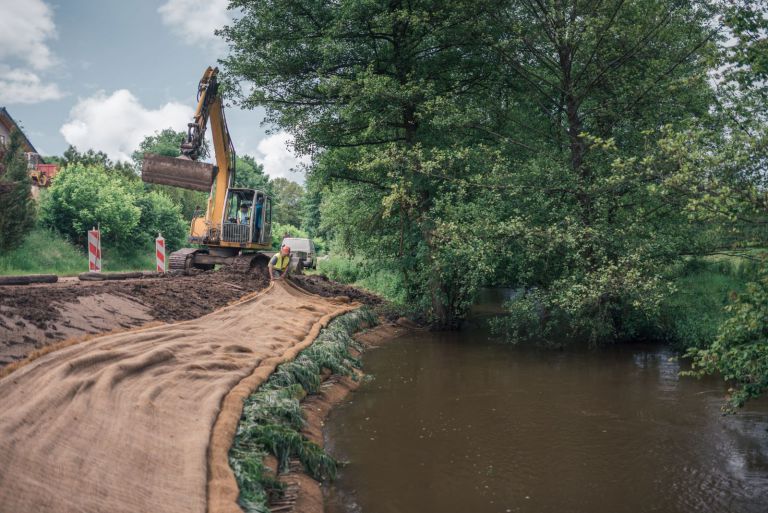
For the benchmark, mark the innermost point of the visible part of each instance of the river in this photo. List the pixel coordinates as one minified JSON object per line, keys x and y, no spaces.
{"x":455,"y":422}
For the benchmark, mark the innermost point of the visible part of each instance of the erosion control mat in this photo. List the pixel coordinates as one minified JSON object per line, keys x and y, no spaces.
{"x":124,"y":423}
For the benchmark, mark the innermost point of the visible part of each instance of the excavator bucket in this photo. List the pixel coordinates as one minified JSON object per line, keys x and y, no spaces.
{"x":178,"y":172}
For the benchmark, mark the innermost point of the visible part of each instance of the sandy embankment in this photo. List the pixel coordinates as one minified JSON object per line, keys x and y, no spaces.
{"x":124,"y":422}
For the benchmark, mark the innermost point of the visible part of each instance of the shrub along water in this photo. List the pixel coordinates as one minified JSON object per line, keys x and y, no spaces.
{"x":369,"y":275}
{"x":272,"y":419}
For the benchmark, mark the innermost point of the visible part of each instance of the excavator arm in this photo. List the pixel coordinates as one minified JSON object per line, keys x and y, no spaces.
{"x":185,"y":171}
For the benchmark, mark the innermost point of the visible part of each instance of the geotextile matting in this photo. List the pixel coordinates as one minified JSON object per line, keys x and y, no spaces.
{"x":142,"y":421}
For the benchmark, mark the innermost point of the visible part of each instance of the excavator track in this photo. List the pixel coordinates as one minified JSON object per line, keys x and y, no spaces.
{"x":245,"y":263}
{"x":181,"y":260}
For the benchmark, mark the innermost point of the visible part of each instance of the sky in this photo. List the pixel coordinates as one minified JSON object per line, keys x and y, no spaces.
{"x":104,"y":74}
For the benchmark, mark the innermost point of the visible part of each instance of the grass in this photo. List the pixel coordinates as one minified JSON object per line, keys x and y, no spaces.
{"x":46,"y":252}
{"x":366,"y":275}
{"x":692,"y":315}
{"x":272,"y":418}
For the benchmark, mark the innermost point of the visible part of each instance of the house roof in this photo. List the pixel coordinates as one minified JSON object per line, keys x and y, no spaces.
{"x":9,"y":123}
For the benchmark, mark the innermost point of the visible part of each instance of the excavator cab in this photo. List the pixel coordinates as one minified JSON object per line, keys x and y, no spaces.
{"x":247,"y":217}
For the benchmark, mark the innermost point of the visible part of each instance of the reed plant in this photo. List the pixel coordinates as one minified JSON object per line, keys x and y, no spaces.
{"x":272,"y":419}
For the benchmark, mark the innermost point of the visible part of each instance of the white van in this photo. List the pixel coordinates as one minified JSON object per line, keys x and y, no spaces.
{"x":304,"y":249}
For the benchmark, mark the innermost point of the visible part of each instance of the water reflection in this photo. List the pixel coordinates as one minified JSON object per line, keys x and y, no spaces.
{"x":456,"y":424}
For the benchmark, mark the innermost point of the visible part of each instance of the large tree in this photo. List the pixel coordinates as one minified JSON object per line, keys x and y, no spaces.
{"x":381,"y":93}
{"x":288,"y":198}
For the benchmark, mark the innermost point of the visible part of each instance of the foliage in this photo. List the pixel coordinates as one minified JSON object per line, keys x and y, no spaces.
{"x":367,"y":274}
{"x":160,"y":215}
{"x":432,"y":114}
{"x":250,"y":175}
{"x":83,"y":197}
{"x":287,"y":197}
{"x":92,"y":158}
{"x":17,"y":215}
{"x":272,"y":419}
{"x":740,"y":351}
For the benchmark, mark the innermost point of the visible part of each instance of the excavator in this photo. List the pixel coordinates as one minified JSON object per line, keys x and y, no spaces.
{"x":235,"y":229}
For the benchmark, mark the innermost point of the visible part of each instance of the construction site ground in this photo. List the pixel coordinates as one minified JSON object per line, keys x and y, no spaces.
{"x":35,"y":316}
{"x":142,"y":419}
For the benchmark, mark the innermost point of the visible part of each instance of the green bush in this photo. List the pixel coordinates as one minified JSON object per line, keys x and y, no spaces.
{"x":83,"y":197}
{"x":159,"y":214}
{"x":130,"y":217}
{"x":368,"y":275}
{"x":739,"y":352}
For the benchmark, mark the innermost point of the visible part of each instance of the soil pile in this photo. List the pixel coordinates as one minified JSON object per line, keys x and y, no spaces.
{"x":32,"y":317}
{"x":123,"y":423}
{"x":322,"y":286}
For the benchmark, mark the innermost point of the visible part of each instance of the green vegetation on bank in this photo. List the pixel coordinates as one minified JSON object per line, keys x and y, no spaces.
{"x":272,"y":420}
{"x":369,"y":275}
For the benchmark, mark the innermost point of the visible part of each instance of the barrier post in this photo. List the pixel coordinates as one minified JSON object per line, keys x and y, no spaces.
{"x":94,"y":250}
{"x":160,"y":253}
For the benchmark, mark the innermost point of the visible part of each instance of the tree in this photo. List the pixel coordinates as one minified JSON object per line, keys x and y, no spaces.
{"x":250,"y":174}
{"x":288,"y":197}
{"x":83,"y":197}
{"x":375,"y":91}
{"x":93,"y":158}
{"x":18,"y":213}
{"x":129,"y":216}
{"x":718,"y":168}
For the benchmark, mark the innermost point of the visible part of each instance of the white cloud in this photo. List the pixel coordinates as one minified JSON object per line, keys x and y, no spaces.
{"x":23,"y":86}
{"x":196,"y":20}
{"x":26,"y":28}
{"x":275,"y":153}
{"x":116,"y":124}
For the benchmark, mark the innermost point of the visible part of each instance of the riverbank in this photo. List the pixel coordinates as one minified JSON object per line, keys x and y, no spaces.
{"x":280,"y":463}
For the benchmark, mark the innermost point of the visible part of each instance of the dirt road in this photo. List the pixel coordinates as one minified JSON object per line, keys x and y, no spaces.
{"x":123,"y":423}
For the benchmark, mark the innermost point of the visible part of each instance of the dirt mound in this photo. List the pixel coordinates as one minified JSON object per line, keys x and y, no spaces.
{"x":322,"y":286}
{"x":32,"y":317}
{"x":123,"y":423}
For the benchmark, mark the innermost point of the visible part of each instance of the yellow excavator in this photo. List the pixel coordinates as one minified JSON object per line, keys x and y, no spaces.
{"x":237,"y":221}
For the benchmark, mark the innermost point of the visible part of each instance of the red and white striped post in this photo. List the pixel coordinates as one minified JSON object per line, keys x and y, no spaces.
{"x":160,"y":253}
{"x":94,"y":250}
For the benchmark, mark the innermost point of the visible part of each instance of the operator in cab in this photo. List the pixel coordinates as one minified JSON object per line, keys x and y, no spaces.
{"x":278,"y":264}
{"x":242,"y":216}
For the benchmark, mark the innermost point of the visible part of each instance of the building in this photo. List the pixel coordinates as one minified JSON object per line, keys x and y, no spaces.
{"x":7,"y":125}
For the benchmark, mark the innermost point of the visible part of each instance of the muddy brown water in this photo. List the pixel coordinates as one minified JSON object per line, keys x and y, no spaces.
{"x":454,"y":422}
